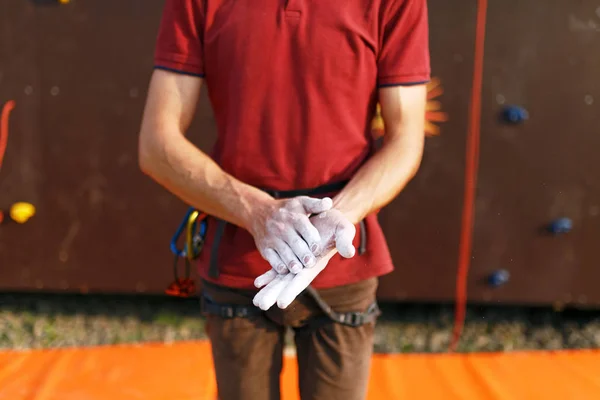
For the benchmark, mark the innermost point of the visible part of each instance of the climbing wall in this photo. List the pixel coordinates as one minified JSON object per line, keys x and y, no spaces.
{"x":538,"y":197}
{"x":77,"y":72}
{"x":21,"y":146}
{"x":423,"y":224}
{"x":78,"y":77}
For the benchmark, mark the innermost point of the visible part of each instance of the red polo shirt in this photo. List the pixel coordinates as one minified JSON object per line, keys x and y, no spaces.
{"x":293,"y":88}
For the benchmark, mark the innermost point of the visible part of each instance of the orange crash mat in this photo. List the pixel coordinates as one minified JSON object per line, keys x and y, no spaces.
{"x":183,"y":371}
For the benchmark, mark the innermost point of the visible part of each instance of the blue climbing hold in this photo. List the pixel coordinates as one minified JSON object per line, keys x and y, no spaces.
{"x":499,"y":277}
{"x":515,"y":114}
{"x":561,"y":225}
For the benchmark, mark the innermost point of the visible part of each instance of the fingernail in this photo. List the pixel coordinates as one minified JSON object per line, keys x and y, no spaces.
{"x":282,"y":305}
{"x":295,"y":267}
{"x":282,"y":269}
{"x":314,"y":247}
{"x":309,"y":261}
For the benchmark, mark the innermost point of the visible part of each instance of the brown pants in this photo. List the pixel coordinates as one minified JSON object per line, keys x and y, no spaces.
{"x":333,"y":359}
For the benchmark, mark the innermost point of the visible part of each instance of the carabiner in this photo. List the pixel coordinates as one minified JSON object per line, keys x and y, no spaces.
{"x":195,"y":234}
{"x":195,"y":224}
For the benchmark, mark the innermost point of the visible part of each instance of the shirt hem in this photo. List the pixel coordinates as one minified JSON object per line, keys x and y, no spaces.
{"x":392,"y":84}
{"x":178,"y":71}
{"x":178,"y":67}
{"x":403,"y":80}
{"x":246,"y":283}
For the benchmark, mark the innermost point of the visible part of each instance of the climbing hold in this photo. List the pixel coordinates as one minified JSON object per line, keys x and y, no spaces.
{"x":515,"y":114}
{"x":377,"y":125}
{"x":21,"y":212}
{"x":498,"y":278}
{"x":560,"y":225}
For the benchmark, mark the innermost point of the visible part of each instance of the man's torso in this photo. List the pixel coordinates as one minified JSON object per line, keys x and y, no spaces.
{"x":293,"y":86}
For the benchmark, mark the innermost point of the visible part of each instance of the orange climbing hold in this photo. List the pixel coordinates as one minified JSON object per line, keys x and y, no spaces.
{"x":433,"y":113}
{"x":433,"y":108}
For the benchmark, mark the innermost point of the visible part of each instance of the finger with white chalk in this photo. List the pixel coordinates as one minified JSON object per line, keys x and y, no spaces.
{"x":268,"y":295}
{"x":301,"y":281}
{"x":265,"y":278}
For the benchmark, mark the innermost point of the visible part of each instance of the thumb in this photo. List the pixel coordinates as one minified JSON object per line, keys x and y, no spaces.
{"x":344,"y":236}
{"x":315,"y":206}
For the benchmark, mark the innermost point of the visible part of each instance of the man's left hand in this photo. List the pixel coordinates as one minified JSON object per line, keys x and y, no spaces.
{"x":337,"y":234}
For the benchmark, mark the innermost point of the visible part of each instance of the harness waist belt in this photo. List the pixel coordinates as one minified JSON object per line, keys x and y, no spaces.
{"x":318,"y":191}
{"x":329,"y":188}
{"x":353,"y":319}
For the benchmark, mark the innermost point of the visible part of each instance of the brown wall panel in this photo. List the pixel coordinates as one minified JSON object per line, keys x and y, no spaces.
{"x":22,"y":173}
{"x":423,"y":224}
{"x":546,"y":59}
{"x":101,"y":225}
{"x":78,"y":74}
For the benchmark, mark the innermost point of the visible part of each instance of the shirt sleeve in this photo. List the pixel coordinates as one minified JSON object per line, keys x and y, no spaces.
{"x":179,"y":46}
{"x":403,"y":57}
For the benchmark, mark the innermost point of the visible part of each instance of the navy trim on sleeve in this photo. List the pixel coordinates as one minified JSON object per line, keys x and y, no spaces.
{"x":403,"y":84}
{"x":178,"y":71}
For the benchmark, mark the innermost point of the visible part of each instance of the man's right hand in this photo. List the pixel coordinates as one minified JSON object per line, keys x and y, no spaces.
{"x":337,"y":234}
{"x":285,"y":236}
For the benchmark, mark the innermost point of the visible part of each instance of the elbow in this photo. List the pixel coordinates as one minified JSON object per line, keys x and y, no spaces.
{"x":416,"y":164}
{"x":147,"y":156}
{"x":416,"y":148}
{"x":144,"y":159}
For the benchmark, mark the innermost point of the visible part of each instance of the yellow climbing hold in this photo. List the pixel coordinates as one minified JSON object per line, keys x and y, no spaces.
{"x":21,"y":212}
{"x":377,"y":125}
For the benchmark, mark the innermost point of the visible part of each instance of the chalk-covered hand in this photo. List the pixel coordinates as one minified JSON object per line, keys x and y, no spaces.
{"x":337,"y":234}
{"x":284,"y":235}
{"x":284,"y":288}
{"x":335,"y":231}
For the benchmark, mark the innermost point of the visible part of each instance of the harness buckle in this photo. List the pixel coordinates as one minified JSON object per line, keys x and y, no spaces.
{"x":231,"y":311}
{"x":354,"y":319}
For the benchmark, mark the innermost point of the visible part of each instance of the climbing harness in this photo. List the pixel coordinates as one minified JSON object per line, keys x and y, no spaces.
{"x":353,"y":318}
{"x":233,"y":311}
{"x":194,"y":224}
{"x":228,"y":311}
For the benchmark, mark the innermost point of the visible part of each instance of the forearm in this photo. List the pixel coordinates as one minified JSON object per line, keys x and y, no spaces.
{"x":383,"y":176}
{"x":190,"y":174}
{"x":380,"y":179}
